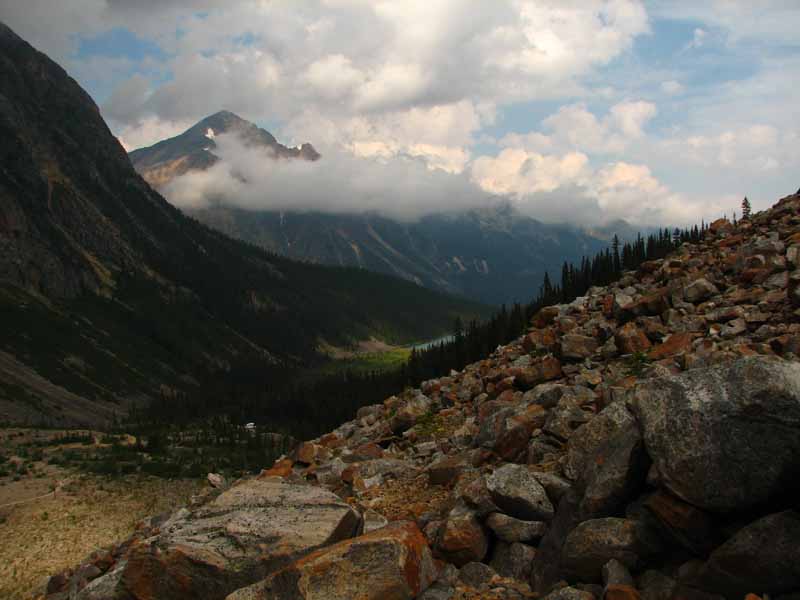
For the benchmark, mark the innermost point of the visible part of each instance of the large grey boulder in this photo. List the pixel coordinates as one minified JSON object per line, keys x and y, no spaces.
{"x":391,"y":563}
{"x":517,"y":492}
{"x":763,"y":557}
{"x":242,"y":536}
{"x":727,"y":437}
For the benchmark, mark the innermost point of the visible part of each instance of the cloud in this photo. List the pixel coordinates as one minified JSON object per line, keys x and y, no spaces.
{"x":574,"y":127}
{"x":402,"y":188}
{"x":567,"y":188}
{"x":345,"y":60}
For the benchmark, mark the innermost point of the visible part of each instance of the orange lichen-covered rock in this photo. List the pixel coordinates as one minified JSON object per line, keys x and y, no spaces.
{"x":390,"y":563}
{"x":677,"y":343}
{"x":281,"y":468}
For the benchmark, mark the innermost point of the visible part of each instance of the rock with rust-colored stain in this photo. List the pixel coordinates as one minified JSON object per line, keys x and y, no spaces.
{"x":462,"y":539}
{"x":686,"y":524}
{"x":621,"y":592}
{"x":391,"y":563}
{"x":246,"y":533}
{"x":574,"y":346}
{"x":630,"y":339}
{"x":677,"y":343}
{"x":281,"y":468}
{"x":545,"y":316}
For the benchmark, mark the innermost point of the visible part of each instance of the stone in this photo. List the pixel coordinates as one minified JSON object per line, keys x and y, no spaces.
{"x":545,"y":395}
{"x":105,"y":587}
{"x":593,"y":543}
{"x":392,"y":563}
{"x":508,"y":430}
{"x":699,"y":290}
{"x":476,"y":495}
{"x":687,"y":525}
{"x":510,"y":529}
{"x":621,"y":592}
{"x":656,"y":586}
{"x":517,"y":492}
{"x":247,"y":532}
{"x":408,"y":413}
{"x":574,"y":346}
{"x":764,"y":556}
{"x":446,"y":470}
{"x":281,"y":468}
{"x":308,"y":452}
{"x":215,"y":480}
{"x":555,"y":485}
{"x":677,"y":343}
{"x":540,"y":371}
{"x":587,"y":440}
{"x":373,"y":520}
{"x":567,"y":416}
{"x":438,"y":591}
{"x":615,"y":573}
{"x":476,"y":574}
{"x":615,"y":474}
{"x":462,"y":539}
{"x":630,"y":339}
{"x":724,"y":438}
{"x":513,"y":560}
{"x":569,"y":593}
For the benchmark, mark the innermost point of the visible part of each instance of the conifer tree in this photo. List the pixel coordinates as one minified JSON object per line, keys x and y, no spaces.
{"x":745,"y":209}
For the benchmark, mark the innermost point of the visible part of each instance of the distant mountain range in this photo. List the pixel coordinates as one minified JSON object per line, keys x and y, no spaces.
{"x":494,"y":255}
{"x":109,"y":294}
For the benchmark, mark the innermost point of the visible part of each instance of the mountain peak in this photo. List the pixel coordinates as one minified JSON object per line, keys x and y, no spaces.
{"x":193,"y":150}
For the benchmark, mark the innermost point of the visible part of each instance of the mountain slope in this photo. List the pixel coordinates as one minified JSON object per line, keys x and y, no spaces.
{"x":641,"y":441}
{"x":494,"y":255}
{"x":108,"y":291}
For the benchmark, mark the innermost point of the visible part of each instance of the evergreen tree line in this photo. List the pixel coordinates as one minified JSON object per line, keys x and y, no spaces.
{"x":282,"y":400}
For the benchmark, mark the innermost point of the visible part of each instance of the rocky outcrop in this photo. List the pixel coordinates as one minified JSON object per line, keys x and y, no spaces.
{"x":238,"y":538}
{"x":638,"y":443}
{"x":726,"y":437}
{"x":391,"y":563}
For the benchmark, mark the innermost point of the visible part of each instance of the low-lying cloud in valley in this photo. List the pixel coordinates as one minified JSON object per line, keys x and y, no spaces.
{"x":551,"y":188}
{"x":401,"y":187}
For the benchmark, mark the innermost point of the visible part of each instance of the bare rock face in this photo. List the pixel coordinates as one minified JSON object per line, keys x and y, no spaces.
{"x":243,"y":535}
{"x":724,"y":438}
{"x":392,"y":563}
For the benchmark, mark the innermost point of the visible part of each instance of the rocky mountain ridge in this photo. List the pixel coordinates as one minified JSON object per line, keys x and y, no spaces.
{"x":194,"y":149}
{"x":640,"y":442}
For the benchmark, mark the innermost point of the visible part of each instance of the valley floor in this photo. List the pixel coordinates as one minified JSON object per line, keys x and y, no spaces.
{"x":53,"y":516}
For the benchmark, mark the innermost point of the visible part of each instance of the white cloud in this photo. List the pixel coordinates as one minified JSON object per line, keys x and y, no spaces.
{"x":148,"y":131}
{"x":755,"y":148}
{"x":400,"y":188}
{"x":574,"y":127}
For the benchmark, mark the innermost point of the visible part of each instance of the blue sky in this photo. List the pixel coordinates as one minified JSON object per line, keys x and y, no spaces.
{"x":580,"y":111}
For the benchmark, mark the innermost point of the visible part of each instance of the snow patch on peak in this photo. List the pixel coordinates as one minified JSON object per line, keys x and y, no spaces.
{"x":210,"y":133}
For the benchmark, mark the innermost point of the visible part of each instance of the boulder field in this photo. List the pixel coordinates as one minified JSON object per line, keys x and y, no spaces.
{"x":640,"y":442}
